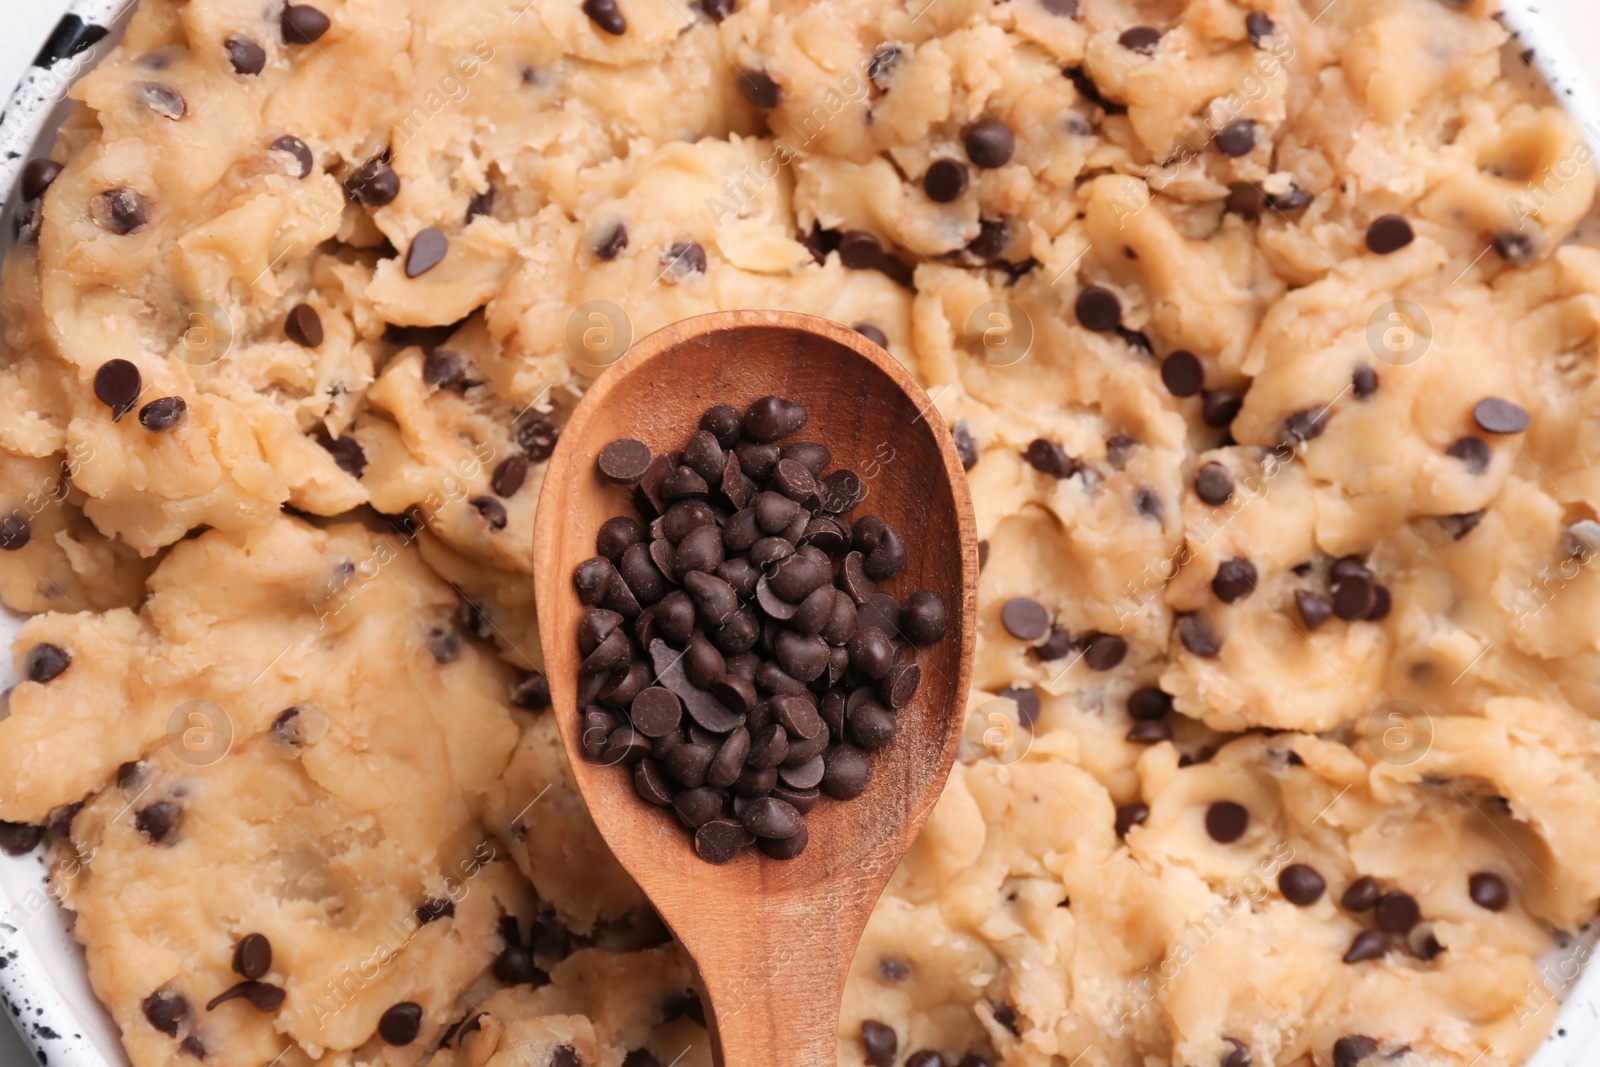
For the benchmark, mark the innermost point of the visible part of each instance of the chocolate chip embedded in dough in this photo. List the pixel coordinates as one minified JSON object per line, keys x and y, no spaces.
{"x":757,"y":87}
{"x":1227,"y":821}
{"x":38,"y":176}
{"x":1102,"y":652}
{"x":1301,"y":885}
{"x":117,"y":385}
{"x":1235,"y":580}
{"x":860,"y":250}
{"x":879,"y":1042}
{"x":1098,"y":309}
{"x":925,"y":1058}
{"x":1141,"y":39}
{"x":245,"y":54}
{"x":303,"y":326}
{"x":399,"y":1025}
{"x":682,"y":261}
{"x":1288,"y":203}
{"x":1239,"y":1056}
{"x":509,"y":475}
{"x":989,"y":143}
{"x":1238,"y":138}
{"x":252,"y":956}
{"x":427,"y":251}
{"x":1213,"y":484}
{"x":1389,"y":234}
{"x":1364,"y":381}
{"x":1048,"y":457}
{"x":374,"y":184}
{"x":303,"y":24}
{"x":297,"y":150}
{"x":538,"y":439}
{"x":1197,"y":636}
{"x":1129,"y":816}
{"x":163,"y":413}
{"x":1489,"y":891}
{"x":1361,"y":895}
{"x":1219,"y":407}
{"x":158,"y":821}
{"x":1397,"y":912}
{"x":1024,"y":618}
{"x":1497,"y":416}
{"x":612,"y":243}
{"x":1315,"y":609}
{"x":1148,"y":704}
{"x":46,"y":662}
{"x":1306,"y":424}
{"x":432,"y":911}
{"x":18,"y":839}
{"x":1183,"y":374}
{"x":944,"y":180}
{"x":346,"y":451}
{"x":165,"y":1010}
{"x":1517,"y":249}
{"x":1354,"y":598}
{"x":1149,"y":733}
{"x":1352,"y":1049}
{"x":1259,"y":26}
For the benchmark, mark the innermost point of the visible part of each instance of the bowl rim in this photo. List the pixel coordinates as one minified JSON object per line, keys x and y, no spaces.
{"x":76,"y":1031}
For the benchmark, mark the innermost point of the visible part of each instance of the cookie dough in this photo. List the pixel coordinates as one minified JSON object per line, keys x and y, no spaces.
{"x":1269,"y":336}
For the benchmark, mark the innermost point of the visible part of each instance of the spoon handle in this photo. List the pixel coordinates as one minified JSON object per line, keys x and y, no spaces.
{"x":774,"y":977}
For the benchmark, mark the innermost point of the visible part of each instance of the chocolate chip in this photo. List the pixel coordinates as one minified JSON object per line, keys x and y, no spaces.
{"x":117,"y":385}
{"x":1239,"y":1056}
{"x":1235,"y":580}
{"x":346,"y":451}
{"x":1149,"y":733}
{"x":427,"y":251}
{"x":303,"y":24}
{"x":509,"y":475}
{"x":1024,"y":619}
{"x":1226,"y":821}
{"x":1148,"y":704}
{"x":1361,"y":896}
{"x":860,"y":250}
{"x":944,"y":180}
{"x":1497,"y":416}
{"x":924,"y":618}
{"x":1382,"y":603}
{"x":1351,"y":1049}
{"x":245,"y":55}
{"x":1048,"y":457}
{"x":625,"y":460}
{"x":303,"y":326}
{"x":515,"y":966}
{"x":1141,"y":39}
{"x":1059,"y":645}
{"x":1182,"y":373}
{"x":1389,"y":234}
{"x":925,"y":1059}
{"x":158,"y":821}
{"x":1098,"y":309}
{"x":252,"y":956}
{"x":757,"y":87}
{"x":430,"y":911}
{"x":37,"y":176}
{"x":538,"y":439}
{"x":374,"y":184}
{"x":1489,"y":891}
{"x":1259,"y":26}
{"x":605,"y":15}
{"x":989,"y":143}
{"x":119,"y":211}
{"x":720,"y":840}
{"x":1102,"y":652}
{"x":612,"y":243}
{"x":1516,"y":249}
{"x":770,"y":419}
{"x":1364,"y":381}
{"x":165,"y":1010}
{"x":1213,"y":484}
{"x":1315,"y":609}
{"x":1197,"y":637}
{"x":297,"y":149}
{"x":1301,"y":885}
{"x":1237,"y":138}
{"x":1288,"y":203}
{"x":46,"y":662}
{"x":1354,"y":598}
{"x":400,"y":1024}
{"x":163,"y":413}
{"x":1062,"y":9}
{"x":191,"y":1045}
{"x":1219,"y":407}
{"x":493,"y":512}
{"x":846,"y":772}
{"x":1473,"y":453}
{"x":879,"y":1042}
{"x":884,"y":57}
{"x":1397,"y":912}
{"x":18,"y":839}
{"x":872,"y":333}
{"x":1305,"y":425}
{"x":994,"y":237}
{"x":1129,"y":816}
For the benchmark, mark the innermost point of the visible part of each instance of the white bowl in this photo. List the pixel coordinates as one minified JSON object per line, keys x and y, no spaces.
{"x":43,"y":979}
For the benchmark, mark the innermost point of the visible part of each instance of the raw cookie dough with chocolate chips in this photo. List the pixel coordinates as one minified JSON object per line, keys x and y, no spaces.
{"x":1267,"y":335}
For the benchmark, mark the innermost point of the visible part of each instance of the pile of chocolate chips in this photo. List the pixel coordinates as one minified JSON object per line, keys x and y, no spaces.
{"x":738,"y":656}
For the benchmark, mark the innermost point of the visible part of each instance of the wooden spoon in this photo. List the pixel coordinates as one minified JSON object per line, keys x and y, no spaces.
{"x":772,"y":939}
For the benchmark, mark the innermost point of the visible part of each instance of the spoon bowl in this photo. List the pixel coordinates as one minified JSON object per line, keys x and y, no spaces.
{"x":772,"y":940}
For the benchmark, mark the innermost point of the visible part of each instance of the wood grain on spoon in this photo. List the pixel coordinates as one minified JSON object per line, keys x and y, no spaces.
{"x":772,"y":939}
